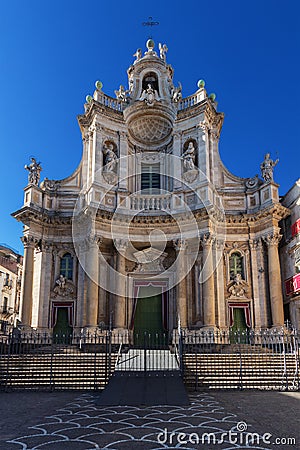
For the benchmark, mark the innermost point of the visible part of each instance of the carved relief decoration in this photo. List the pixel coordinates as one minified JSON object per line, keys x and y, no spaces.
{"x":150,"y":128}
{"x":63,"y":288}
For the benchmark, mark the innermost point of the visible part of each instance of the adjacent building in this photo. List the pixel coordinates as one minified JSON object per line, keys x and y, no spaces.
{"x":151,"y":229}
{"x":290,"y":255}
{"x":11,"y":264}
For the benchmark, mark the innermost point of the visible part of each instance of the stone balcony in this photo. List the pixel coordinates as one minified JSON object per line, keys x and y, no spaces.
{"x":142,"y":202}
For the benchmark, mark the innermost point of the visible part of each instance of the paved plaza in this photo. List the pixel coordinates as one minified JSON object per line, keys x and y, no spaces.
{"x":73,"y":421}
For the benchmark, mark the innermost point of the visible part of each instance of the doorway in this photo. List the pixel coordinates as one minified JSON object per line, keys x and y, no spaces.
{"x":148,"y":321}
{"x":62,"y":329}
{"x":239,"y":328}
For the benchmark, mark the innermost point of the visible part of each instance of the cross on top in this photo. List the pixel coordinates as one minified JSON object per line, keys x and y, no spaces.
{"x":150,"y":23}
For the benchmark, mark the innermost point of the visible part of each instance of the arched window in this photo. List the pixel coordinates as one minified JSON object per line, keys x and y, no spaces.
{"x":66,"y":266}
{"x":236,"y":265}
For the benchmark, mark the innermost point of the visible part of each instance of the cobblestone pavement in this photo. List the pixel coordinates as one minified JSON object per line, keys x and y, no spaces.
{"x":80,"y":425}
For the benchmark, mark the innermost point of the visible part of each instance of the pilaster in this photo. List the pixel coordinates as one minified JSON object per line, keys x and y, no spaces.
{"x":29,"y":243}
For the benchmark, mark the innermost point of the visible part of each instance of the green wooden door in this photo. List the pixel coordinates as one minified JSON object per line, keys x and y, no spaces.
{"x":148,"y":318}
{"x":62,"y":329}
{"x":239,"y":328}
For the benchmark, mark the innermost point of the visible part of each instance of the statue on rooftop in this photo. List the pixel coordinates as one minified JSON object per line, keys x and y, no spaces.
{"x":162,"y":51}
{"x":121,"y":93}
{"x":138,"y":54}
{"x":267,"y":167}
{"x":34,"y":169}
{"x":176,"y":93}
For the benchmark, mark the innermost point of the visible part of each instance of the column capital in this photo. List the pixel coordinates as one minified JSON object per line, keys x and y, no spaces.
{"x":121,"y":245}
{"x":207,"y":239}
{"x":272,"y":239}
{"x":204,"y":126}
{"x":180,"y":244}
{"x":29,"y":241}
{"x":123,"y":135}
{"x":254,"y":244}
{"x":177,"y":134}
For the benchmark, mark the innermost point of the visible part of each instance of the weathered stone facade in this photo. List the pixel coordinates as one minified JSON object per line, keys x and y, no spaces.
{"x":151,"y":210}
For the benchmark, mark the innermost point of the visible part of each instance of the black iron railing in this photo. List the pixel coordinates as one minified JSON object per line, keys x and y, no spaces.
{"x":206,"y":359}
{"x":264,"y":359}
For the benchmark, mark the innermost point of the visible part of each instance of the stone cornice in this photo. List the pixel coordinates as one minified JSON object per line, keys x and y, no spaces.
{"x":277,"y":211}
{"x":86,"y":120}
{"x":28,"y":215}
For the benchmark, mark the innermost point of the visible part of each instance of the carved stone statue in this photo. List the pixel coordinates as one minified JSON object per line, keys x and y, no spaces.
{"x":162,"y":51}
{"x":121,"y":93}
{"x":34,"y":169}
{"x":63,"y":288}
{"x":189,"y":157}
{"x":238,"y":287}
{"x":267,"y":167}
{"x":61,"y":282}
{"x":176,"y":93}
{"x":110,"y":158}
{"x":138,"y":54}
{"x":149,"y":95}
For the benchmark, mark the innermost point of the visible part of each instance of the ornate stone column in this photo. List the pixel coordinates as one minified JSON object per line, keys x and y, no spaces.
{"x":180,"y":246}
{"x":255,"y":274}
{"x":219,"y":252}
{"x":120,"y":300}
{"x":92,"y":283}
{"x":27,"y":279}
{"x":275,"y":285}
{"x":207,"y":280}
{"x":45,"y":283}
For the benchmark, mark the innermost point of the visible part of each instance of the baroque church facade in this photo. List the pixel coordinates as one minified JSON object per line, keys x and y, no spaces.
{"x":151,"y":230}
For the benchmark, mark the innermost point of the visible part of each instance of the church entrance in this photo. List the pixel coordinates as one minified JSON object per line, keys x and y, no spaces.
{"x":239,"y":323}
{"x":148,"y":322}
{"x":62,"y":329}
{"x":239,"y":319}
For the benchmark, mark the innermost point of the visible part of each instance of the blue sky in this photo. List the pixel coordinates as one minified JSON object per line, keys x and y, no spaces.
{"x":51,"y":54}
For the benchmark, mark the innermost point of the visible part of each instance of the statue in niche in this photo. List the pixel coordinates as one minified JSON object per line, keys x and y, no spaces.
{"x":138,"y":54}
{"x":267,"y":167}
{"x":190,"y":170}
{"x":238,"y":287}
{"x":189,"y":157}
{"x":34,"y":169}
{"x":162,"y":51}
{"x":149,"y":95}
{"x":110,"y":158}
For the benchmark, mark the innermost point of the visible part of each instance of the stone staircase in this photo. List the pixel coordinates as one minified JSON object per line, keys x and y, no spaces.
{"x":240,"y":371}
{"x":61,"y":369}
